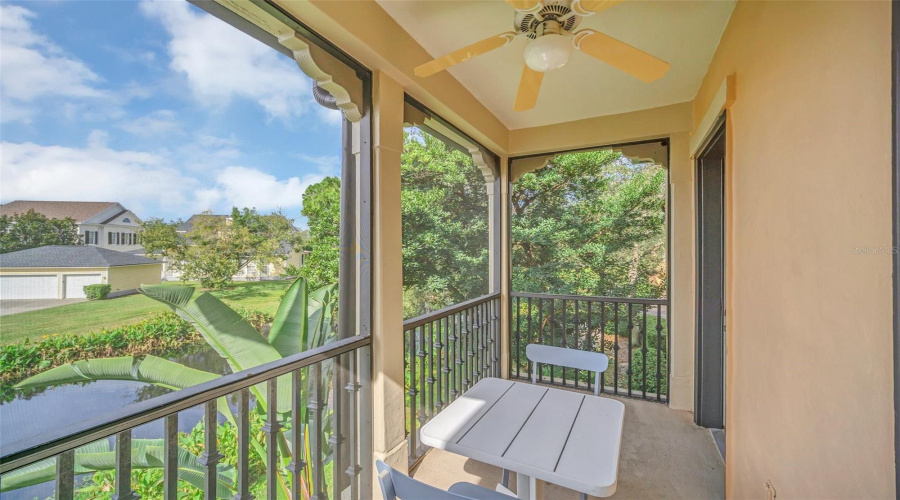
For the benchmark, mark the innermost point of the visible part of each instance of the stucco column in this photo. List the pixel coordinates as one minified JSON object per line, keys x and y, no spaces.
{"x":499,"y":221}
{"x":681,"y":285}
{"x":389,"y":431}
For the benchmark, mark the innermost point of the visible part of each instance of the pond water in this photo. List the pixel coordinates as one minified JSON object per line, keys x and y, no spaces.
{"x":65,"y":405}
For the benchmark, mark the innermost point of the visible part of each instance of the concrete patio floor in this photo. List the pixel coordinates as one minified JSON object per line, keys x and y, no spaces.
{"x":664,"y":455}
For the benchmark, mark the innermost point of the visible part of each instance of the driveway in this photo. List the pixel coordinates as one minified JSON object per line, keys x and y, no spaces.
{"x":25,"y":305}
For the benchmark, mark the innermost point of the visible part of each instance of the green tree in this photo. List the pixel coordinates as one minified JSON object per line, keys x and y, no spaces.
{"x":445,"y":225}
{"x":322,"y":208}
{"x":590,"y":223}
{"x":33,"y":229}
{"x":161,"y":239}
{"x":218,"y":247}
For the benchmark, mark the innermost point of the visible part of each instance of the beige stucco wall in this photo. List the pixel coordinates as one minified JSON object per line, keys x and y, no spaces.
{"x":809,"y":388}
{"x":126,"y":278}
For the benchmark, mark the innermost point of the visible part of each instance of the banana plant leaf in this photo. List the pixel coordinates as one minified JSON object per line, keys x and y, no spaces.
{"x":145,"y":454}
{"x":289,"y":331}
{"x":242,"y":346}
{"x":149,"y":369}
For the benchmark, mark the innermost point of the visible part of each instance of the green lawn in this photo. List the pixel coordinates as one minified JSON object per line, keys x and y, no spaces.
{"x":85,"y":317}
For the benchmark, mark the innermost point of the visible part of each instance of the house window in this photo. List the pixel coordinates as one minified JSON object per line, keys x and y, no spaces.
{"x":126,"y":220}
{"x":109,"y":238}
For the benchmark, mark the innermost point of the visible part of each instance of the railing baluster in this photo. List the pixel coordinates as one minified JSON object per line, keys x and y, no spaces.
{"x":316,"y":430}
{"x":123,"y":489}
{"x":540,"y":370}
{"x":630,"y":346}
{"x":552,"y":334}
{"x":270,"y":428}
{"x":337,"y":426}
{"x":298,"y":446}
{"x":456,"y":369}
{"x":603,"y":343}
{"x":423,"y":395}
{"x":476,"y":342}
{"x":65,"y":475}
{"x":365,"y":402}
{"x":486,"y":343}
{"x":659,"y":352}
{"x":352,"y":389}
{"x":519,"y":336}
{"x":644,"y":351}
{"x":413,"y":392}
{"x":575,"y":341}
{"x":170,"y":457}
{"x":470,"y":353}
{"x":429,"y":381}
{"x":439,"y":371}
{"x":616,"y":348}
{"x":589,"y":342}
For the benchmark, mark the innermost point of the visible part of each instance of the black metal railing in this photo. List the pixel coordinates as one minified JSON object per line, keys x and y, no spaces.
{"x":317,"y":409}
{"x":446,"y":353}
{"x":633,"y":332}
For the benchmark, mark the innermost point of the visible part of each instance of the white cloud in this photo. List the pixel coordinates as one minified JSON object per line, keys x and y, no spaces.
{"x":95,"y":173}
{"x":32,"y":67}
{"x":326,"y":165}
{"x":151,"y":184}
{"x":249,"y":187}
{"x":221,"y":63}
{"x":159,"y":122}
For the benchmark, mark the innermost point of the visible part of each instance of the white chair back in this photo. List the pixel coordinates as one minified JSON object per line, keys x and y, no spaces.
{"x":395,"y":484}
{"x":571,"y":358}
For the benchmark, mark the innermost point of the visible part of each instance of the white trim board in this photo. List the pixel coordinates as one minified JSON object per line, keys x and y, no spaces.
{"x":723,"y":99}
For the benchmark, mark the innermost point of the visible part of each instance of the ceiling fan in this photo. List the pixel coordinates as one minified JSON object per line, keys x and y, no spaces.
{"x":549,"y":25}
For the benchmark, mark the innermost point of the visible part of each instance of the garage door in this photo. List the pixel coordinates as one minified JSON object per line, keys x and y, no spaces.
{"x":28,"y":287}
{"x":74,"y":284}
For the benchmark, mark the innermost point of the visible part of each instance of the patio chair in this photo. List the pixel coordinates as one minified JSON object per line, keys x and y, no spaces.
{"x":596,"y":362}
{"x":396,"y":485}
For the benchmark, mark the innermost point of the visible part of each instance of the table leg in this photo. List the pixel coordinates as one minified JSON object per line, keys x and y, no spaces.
{"x":529,"y":488}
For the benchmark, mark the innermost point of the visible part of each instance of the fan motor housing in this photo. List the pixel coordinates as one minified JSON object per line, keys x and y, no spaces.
{"x":530,"y":24}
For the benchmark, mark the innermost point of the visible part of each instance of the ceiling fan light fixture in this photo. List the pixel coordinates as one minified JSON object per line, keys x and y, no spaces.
{"x":548,"y":52}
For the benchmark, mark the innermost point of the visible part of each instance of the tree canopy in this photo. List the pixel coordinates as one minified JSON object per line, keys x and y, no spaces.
{"x":590,"y":223}
{"x":216,"y":247}
{"x":33,"y":229}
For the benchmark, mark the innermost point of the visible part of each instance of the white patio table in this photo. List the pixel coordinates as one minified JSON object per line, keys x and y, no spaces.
{"x":540,"y":433}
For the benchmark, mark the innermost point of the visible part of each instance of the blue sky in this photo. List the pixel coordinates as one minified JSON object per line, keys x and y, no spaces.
{"x":156,"y":105}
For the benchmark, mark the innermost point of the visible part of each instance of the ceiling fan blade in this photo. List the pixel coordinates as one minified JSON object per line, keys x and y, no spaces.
{"x":529,"y":87}
{"x":526,"y":5}
{"x":464,"y":54}
{"x":588,"y":7}
{"x":618,"y":54}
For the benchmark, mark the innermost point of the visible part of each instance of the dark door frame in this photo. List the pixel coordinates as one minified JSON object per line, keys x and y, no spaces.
{"x":895,"y":211}
{"x":705,"y":368}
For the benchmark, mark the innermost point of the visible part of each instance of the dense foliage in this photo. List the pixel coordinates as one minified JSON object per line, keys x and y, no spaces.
{"x":32,"y":230}
{"x":322,"y":208}
{"x":590,"y":223}
{"x":217,"y":247}
{"x":98,"y":291}
{"x":445,"y":225}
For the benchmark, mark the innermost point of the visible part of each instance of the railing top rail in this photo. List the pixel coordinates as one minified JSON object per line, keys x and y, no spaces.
{"x":56,"y":441}
{"x":447,"y":311}
{"x":589,"y":298}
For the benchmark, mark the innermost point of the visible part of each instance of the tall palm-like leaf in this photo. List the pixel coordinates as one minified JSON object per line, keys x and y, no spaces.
{"x":149,"y":369}
{"x":289,"y":331}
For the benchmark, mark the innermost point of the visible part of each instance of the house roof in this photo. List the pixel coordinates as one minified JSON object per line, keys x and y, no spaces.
{"x":187,"y":225}
{"x":78,"y":210}
{"x":71,"y":256}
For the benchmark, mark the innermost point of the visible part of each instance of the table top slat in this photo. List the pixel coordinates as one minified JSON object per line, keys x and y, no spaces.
{"x":494,"y":432}
{"x":541,"y":440}
{"x":454,"y":421}
{"x":593,"y":447}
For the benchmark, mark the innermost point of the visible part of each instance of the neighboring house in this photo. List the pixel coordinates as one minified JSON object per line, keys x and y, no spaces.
{"x":103,"y":224}
{"x":250,"y":272}
{"x":62,"y":271}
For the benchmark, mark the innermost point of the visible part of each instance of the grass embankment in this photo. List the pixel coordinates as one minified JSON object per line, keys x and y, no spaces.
{"x":84,"y":317}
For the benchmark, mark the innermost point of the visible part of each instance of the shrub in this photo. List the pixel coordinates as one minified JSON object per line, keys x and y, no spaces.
{"x":96,"y":292}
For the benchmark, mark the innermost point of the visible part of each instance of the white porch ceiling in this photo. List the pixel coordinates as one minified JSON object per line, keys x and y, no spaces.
{"x":683,"y":33}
